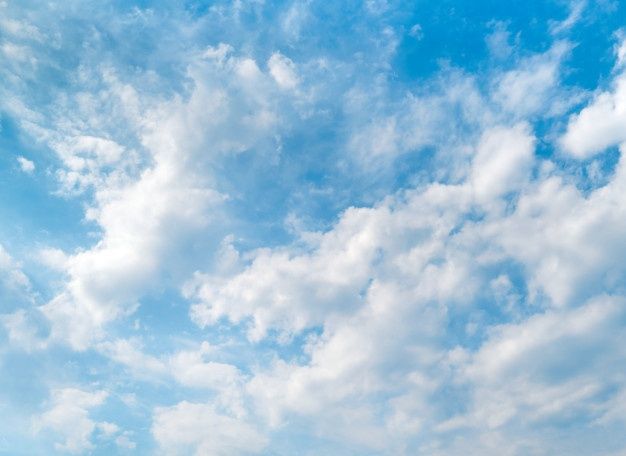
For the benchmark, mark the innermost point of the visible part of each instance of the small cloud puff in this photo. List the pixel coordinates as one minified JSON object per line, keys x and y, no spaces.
{"x":283,"y":71}
{"x":26,"y":165}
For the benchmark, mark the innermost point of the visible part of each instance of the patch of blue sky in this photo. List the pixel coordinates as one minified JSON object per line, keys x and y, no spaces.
{"x":49,"y":218}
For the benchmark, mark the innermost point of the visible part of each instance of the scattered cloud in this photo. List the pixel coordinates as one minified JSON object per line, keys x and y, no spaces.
{"x":68,"y":417}
{"x":336,"y":229}
{"x":26,"y":165}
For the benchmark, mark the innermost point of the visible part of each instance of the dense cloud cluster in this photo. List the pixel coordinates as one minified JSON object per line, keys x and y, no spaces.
{"x":289,"y":244}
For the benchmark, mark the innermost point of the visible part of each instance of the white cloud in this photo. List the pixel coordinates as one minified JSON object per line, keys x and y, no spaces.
{"x":26,"y":165}
{"x":107,"y":429}
{"x":532,"y":87}
{"x":375,"y":269}
{"x":283,"y":71}
{"x":20,"y":29}
{"x":543,"y":370}
{"x":503,"y":161}
{"x":129,"y":353}
{"x":570,"y":244}
{"x":11,"y":274}
{"x":620,"y":51}
{"x":445,"y":308}
{"x":191,"y":370}
{"x":124,"y":441}
{"x":289,"y":285}
{"x":577,"y":8}
{"x":295,"y":19}
{"x":87,"y":160}
{"x":68,"y":417}
{"x":198,"y":429}
{"x":218,"y":52}
{"x":147,"y":215}
{"x":379,"y":136}
{"x":195,"y":369}
{"x":377,"y":7}
{"x":55,"y":259}
{"x":600,"y":124}
{"x":498,"y":41}
{"x":22,"y":331}
{"x":15,"y":52}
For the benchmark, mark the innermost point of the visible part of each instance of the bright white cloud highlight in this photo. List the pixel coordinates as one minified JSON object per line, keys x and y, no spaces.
{"x":283,"y":71}
{"x":600,"y":124}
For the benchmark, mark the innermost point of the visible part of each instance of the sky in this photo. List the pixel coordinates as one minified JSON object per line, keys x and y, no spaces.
{"x":307,"y":227}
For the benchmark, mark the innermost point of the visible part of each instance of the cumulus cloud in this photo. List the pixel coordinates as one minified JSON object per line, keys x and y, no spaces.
{"x":26,"y":165}
{"x":68,"y":417}
{"x":23,"y":331}
{"x":191,"y":428}
{"x":422,"y":257}
{"x":569,"y":243}
{"x":145,"y":216}
{"x":377,"y":268}
{"x":283,"y":71}
{"x":600,"y":124}
{"x":533,"y":85}
{"x":452,"y":285}
{"x":11,"y":274}
{"x":540,"y":371}
{"x":503,"y":161}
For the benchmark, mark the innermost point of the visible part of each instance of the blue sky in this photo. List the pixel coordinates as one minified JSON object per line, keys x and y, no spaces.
{"x":349,"y":228}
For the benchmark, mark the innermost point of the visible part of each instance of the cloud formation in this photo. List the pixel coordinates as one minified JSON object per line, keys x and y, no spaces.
{"x":312,"y":228}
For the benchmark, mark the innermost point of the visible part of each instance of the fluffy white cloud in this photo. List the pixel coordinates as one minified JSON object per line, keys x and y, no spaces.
{"x":503,"y":161}
{"x":26,"y":165}
{"x":147,"y":215}
{"x":130,"y":354}
{"x":570,"y":244}
{"x":380,"y":134}
{"x":68,"y":417}
{"x":418,"y":258}
{"x":478,"y":310}
{"x":530,"y":375}
{"x":539,"y":370}
{"x":191,"y":370}
{"x":533,"y":85}
{"x":55,"y":259}
{"x":600,"y":124}
{"x":279,"y":289}
{"x":198,"y":429}
{"x":376,"y":269}
{"x":283,"y":71}
{"x":22,"y":331}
